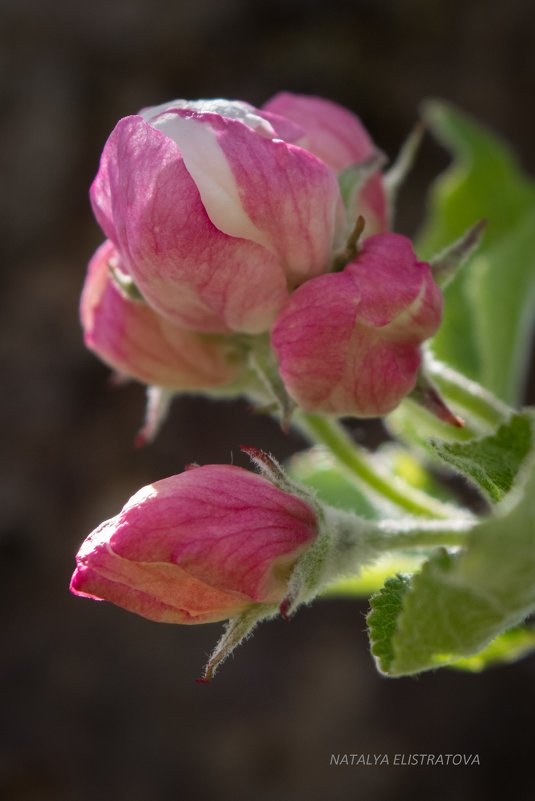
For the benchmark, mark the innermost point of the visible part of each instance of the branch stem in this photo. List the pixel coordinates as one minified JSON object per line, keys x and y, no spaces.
{"x":358,"y":464}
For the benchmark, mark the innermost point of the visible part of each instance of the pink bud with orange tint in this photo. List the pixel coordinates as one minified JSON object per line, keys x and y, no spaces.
{"x":348,"y":343}
{"x":198,"y":547}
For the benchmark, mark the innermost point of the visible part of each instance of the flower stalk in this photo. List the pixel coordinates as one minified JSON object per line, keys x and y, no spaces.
{"x":357,"y":463}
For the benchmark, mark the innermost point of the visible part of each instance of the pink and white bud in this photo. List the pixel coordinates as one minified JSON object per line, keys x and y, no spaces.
{"x":215,"y":217}
{"x":198,"y":547}
{"x":134,"y":340}
{"x":348,"y":343}
{"x":337,"y":137}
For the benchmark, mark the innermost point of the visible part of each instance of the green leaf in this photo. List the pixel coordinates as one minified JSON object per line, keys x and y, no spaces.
{"x":386,"y":607}
{"x":509,"y":647}
{"x":492,"y":463}
{"x":460,"y":602}
{"x":488,"y":319}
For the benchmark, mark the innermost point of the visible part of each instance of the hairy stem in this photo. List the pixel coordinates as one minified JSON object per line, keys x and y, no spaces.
{"x":355,"y":543}
{"x":443,"y":533}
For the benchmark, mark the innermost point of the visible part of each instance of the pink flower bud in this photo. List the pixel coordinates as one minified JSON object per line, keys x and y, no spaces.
{"x":348,"y":342}
{"x":337,"y":137}
{"x":136,"y":341}
{"x":198,"y":547}
{"x":214,"y":215}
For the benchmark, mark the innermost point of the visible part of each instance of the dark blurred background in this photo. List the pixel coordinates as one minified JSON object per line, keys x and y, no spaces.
{"x":96,"y":703}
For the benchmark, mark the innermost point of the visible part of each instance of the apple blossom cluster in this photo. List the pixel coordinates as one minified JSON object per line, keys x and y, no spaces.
{"x":233,"y":232}
{"x":227,"y":224}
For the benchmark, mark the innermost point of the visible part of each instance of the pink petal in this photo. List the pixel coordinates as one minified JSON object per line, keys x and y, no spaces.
{"x":373,"y":206}
{"x":283,"y":128}
{"x":133,"y":339}
{"x":393,"y":284}
{"x":337,"y":136}
{"x":261,"y":189}
{"x":187,"y":269}
{"x":332,"y":132}
{"x":159,"y":592}
{"x":312,"y":339}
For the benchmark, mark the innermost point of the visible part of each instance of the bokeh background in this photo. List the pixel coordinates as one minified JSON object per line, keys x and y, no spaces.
{"x":98,"y":704}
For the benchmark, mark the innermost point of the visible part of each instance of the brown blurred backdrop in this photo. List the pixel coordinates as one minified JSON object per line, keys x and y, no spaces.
{"x":96,"y":703}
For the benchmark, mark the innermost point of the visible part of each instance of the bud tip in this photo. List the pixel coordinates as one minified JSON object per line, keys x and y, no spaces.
{"x":284,"y":608}
{"x":140,"y":440}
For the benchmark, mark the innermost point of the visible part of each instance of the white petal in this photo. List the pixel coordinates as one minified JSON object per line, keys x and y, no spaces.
{"x":208,"y":166}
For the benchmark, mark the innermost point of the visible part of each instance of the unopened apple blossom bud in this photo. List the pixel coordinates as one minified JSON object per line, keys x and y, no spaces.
{"x":348,"y":343}
{"x":205,"y":545}
{"x":137,"y":342}
{"x":215,"y":212}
